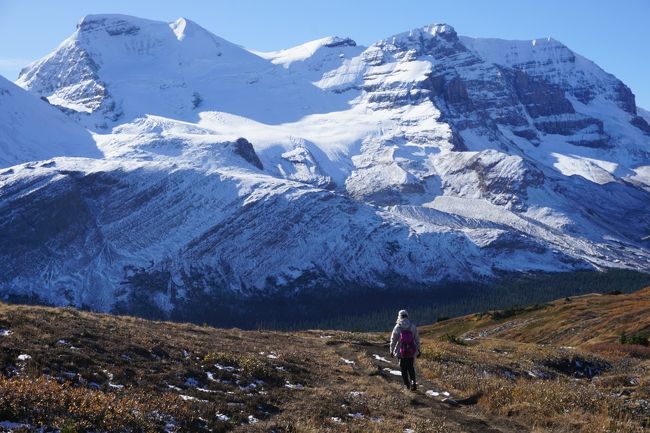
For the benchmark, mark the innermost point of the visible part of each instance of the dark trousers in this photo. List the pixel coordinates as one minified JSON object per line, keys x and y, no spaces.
{"x":407,"y":365}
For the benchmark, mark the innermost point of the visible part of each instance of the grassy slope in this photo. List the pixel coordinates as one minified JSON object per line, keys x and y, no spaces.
{"x":577,"y":321}
{"x":113,"y":373}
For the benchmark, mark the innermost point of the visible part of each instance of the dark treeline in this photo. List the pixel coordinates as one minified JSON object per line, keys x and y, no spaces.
{"x":452,"y":301}
{"x":376,"y":310}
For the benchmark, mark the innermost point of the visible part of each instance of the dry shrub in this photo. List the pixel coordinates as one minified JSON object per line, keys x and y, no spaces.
{"x":368,"y":426}
{"x":561,"y":404}
{"x":547,"y":403}
{"x":541,"y":400}
{"x":633,"y":350}
{"x":45,"y":402}
{"x":251,"y":368}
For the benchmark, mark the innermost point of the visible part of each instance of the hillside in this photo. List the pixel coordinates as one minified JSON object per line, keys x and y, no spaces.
{"x":78,"y":371}
{"x":580,"y":321}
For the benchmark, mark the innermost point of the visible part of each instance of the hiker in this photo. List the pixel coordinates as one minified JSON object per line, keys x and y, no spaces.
{"x":405,"y":345}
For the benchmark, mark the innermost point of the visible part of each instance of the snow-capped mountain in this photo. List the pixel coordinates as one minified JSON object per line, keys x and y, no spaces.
{"x":421,"y":159}
{"x":117,"y":68}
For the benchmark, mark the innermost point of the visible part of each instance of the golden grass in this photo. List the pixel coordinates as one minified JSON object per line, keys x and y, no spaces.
{"x":78,"y":357}
{"x":577,"y":321}
{"x":553,"y":401}
{"x":43,"y":401}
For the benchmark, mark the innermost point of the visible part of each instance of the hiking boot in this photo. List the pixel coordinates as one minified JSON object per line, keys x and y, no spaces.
{"x":414,"y":386}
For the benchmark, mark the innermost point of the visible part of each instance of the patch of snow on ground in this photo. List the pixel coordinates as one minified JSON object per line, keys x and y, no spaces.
{"x":347,"y":361}
{"x":381,"y":358}
{"x":224,"y":367}
{"x":190,"y":398}
{"x":432,"y":393}
{"x":393,"y":372}
{"x":24,"y":357}
{"x":293,"y":386}
{"x":5,"y":332}
{"x":248,"y":387}
{"x":8,"y":425}
{"x":192,"y":382}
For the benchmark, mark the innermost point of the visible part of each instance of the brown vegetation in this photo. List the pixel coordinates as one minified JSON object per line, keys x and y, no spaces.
{"x":508,"y":372}
{"x":577,"y":321}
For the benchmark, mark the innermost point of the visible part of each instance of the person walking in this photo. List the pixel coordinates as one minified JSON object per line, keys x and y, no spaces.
{"x":405,"y":345}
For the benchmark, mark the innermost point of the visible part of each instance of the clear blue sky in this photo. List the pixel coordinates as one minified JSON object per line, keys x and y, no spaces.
{"x":614,"y":34}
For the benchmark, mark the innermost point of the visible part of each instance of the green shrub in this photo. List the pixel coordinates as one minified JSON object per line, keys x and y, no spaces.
{"x":68,"y":427}
{"x":638,"y":338}
{"x":451,"y":338}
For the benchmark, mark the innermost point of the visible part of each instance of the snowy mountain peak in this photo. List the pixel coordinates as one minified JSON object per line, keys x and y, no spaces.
{"x":547,"y":40}
{"x":104,"y":72}
{"x":113,"y":24}
{"x":133,"y":38}
{"x":428,"y":32}
{"x":181,"y":26}
{"x":336,"y":41}
{"x":444,"y":30}
{"x":125,"y":25}
{"x":303,"y":52}
{"x":440,"y":38}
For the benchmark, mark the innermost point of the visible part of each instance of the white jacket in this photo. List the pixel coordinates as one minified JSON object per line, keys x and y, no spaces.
{"x":394,"y":338}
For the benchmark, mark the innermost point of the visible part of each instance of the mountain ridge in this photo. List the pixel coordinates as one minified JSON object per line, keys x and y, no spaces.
{"x":422,"y":159}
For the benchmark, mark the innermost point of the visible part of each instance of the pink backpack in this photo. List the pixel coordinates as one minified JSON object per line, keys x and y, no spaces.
{"x":407,"y":347}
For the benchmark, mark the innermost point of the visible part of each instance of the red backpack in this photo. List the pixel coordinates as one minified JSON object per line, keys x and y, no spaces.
{"x":407,"y":347}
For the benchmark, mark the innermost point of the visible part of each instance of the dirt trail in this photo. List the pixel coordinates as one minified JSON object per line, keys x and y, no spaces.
{"x":441,"y":406}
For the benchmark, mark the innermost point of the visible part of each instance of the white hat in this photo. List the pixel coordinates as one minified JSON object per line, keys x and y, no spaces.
{"x":402,"y":314}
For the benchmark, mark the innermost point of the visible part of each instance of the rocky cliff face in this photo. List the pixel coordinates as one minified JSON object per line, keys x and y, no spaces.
{"x":424,"y":158}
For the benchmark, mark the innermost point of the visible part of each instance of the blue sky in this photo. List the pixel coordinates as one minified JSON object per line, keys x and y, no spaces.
{"x":614,"y":34}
